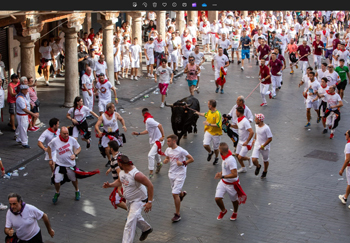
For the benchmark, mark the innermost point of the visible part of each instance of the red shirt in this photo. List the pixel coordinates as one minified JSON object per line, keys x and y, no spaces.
{"x":318,"y":51}
{"x":335,"y":43}
{"x":281,"y":58}
{"x":264,"y":72}
{"x":10,"y":98}
{"x":264,"y":51}
{"x":91,"y":36}
{"x":276,"y":66}
{"x":303,"y":51}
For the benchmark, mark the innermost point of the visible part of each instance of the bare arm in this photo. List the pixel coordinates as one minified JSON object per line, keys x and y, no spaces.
{"x":141,"y":178}
{"x":48,"y":225}
{"x":121,"y":119}
{"x":160,"y":127}
{"x":115,"y":183}
{"x":346,"y":162}
{"x":166,"y":160}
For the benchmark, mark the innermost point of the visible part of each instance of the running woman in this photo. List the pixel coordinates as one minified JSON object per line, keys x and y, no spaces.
{"x":178,"y":158}
{"x":261,"y":144}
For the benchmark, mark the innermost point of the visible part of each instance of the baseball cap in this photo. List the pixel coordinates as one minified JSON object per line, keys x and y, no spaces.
{"x":273,"y":32}
{"x":23,"y":86}
{"x":189,"y":41}
{"x":14,"y":76}
{"x":151,"y":39}
{"x":260,"y":116}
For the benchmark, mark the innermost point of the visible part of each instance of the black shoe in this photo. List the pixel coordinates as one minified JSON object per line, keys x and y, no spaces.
{"x":145,"y":234}
{"x":257,"y":170}
{"x":281,"y":82}
{"x":108,"y":163}
{"x":233,"y":61}
{"x":263,"y":176}
{"x":88,"y":144}
{"x":257,"y":62}
{"x":239,"y":62}
{"x":216,"y":160}
{"x":325,"y":131}
{"x":210,"y":155}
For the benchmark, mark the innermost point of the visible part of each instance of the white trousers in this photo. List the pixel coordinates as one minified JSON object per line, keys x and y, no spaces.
{"x":276,"y":81}
{"x":88,"y":100}
{"x":153,"y":154}
{"x":303,"y":66}
{"x":22,"y":128}
{"x":134,"y":220}
{"x":264,"y":90}
{"x":317,"y":61}
{"x":213,"y":41}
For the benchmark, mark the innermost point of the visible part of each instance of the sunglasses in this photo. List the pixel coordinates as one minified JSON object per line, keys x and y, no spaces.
{"x":191,"y":59}
{"x":330,"y":67}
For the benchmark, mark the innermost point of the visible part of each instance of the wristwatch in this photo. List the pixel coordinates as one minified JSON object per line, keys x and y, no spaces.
{"x":222,"y":177}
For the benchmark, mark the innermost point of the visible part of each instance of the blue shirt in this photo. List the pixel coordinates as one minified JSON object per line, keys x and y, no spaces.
{"x":245,"y":40}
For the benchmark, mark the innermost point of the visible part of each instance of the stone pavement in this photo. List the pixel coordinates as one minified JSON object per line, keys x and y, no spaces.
{"x":298,"y":202}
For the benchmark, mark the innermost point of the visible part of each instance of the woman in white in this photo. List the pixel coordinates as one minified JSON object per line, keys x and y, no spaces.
{"x":346,"y":165}
{"x":77,"y":115}
{"x":46,"y":55}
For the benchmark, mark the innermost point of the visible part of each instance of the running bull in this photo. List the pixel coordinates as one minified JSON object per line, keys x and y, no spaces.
{"x":183,"y":117}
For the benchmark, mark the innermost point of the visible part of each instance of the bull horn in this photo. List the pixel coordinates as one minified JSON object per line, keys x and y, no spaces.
{"x":168,"y":105}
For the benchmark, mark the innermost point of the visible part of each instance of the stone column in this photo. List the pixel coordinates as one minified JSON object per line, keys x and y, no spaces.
{"x":108,"y":28}
{"x":129,"y":19}
{"x":137,"y":32}
{"x":27,"y":56}
{"x":87,"y":23}
{"x":161,"y":23}
{"x":180,"y":21}
{"x":192,"y":15}
{"x":213,"y":15}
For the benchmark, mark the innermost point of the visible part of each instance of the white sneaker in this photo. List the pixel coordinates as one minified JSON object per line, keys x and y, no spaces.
{"x":119,"y":76}
{"x":132,"y":77}
{"x":242,"y":68}
{"x":1,"y":132}
{"x":136,"y":78}
{"x":3,"y":207}
{"x":342,"y":199}
{"x":54,"y":76}
{"x":162,"y":105}
{"x":250,"y":163}
{"x":152,"y":76}
{"x":148,"y":75}
{"x":242,"y":170}
{"x":118,"y":82}
{"x":123,"y":75}
{"x":47,"y":83}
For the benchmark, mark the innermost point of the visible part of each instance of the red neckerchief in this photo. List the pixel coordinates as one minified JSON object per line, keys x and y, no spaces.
{"x":307,"y":24}
{"x":324,"y":32}
{"x":52,"y":131}
{"x":227,"y":155}
{"x":123,"y":28}
{"x":87,"y":74}
{"x":330,"y":93}
{"x":204,"y":25}
{"x":109,"y":114}
{"x":185,"y":35}
{"x":146,"y":116}
{"x":79,"y":108}
{"x":244,"y":105}
{"x":103,"y":81}
{"x":348,"y":141}
{"x":240,"y":118}
{"x":188,"y":47}
{"x":324,"y":86}
{"x":159,"y":41}
{"x":63,"y":140}
{"x":100,"y":62}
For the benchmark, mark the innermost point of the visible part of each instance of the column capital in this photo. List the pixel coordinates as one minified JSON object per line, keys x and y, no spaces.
{"x":26,"y":41}
{"x":75,"y":21}
{"x":30,"y":27}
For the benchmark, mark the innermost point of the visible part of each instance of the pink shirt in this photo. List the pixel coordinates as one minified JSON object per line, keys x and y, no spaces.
{"x":32,"y":95}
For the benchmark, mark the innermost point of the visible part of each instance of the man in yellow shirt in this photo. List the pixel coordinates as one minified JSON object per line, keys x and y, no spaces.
{"x":212,"y":130}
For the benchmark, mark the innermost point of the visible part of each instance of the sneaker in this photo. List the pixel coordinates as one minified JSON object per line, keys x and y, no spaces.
{"x":325,"y":131}
{"x":274,"y":97}
{"x":197,"y":90}
{"x":296,"y":66}
{"x":77,"y":196}
{"x":176,"y":218}
{"x":233,"y":217}
{"x":270,"y":95}
{"x":145,"y":234}
{"x":3,"y":207}
{"x":210,"y":155}
{"x":331,"y":136}
{"x":242,"y":68}
{"x":308,"y":124}
{"x":281,"y":83}
{"x":242,"y":170}
{"x":291,"y":72}
{"x":32,"y":129}
{"x":184,"y":194}
{"x":132,"y":77}
{"x":54,"y":76}
{"x":26,"y":146}
{"x":162,"y":105}
{"x":221,"y":215}
{"x":342,"y":199}
{"x":263,"y":176}
{"x":55,"y":198}
{"x":118,"y":82}
{"x":264,"y":104}
{"x":120,"y":77}
{"x":152,"y":76}
{"x":159,"y":166}
{"x":47,"y":83}
{"x":150,"y":176}
{"x":136,"y":78}
{"x":257,"y":62}
{"x":239,"y":62}
{"x":250,"y":163}
{"x":108,"y":163}
{"x":217,"y":90}
{"x":257,"y":170}
{"x":216,"y":160}
{"x":88,"y":144}
{"x":318,"y":119}
{"x":221,"y":91}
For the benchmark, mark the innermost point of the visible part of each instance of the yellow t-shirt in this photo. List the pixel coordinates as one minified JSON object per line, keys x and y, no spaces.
{"x":213,"y":118}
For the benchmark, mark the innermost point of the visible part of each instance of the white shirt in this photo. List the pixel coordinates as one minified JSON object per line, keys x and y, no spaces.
{"x":227,"y":165}
{"x":159,"y":46}
{"x":332,"y":100}
{"x":312,"y":88}
{"x":198,"y":58}
{"x":247,"y":113}
{"x":64,"y":151}
{"x":87,"y":80}
{"x":153,"y":130}
{"x":100,"y":68}
{"x":2,"y":98}
{"x":320,"y":73}
{"x":262,"y":134}
{"x":26,"y":226}
{"x":177,"y":154}
{"x":117,"y":57}
{"x":22,"y":103}
{"x":135,"y":52}
{"x":224,"y":44}
{"x":333,"y":77}
{"x":164,"y":75}
{"x":171,"y":43}
{"x":205,"y":29}
{"x":132,"y":190}
{"x":79,"y":114}
{"x":322,"y":91}
{"x":193,"y":30}
{"x":46,"y":138}
{"x":105,"y":91}
{"x":125,"y":49}
{"x":220,"y":61}
{"x":45,"y":52}
{"x":347,"y":149}
{"x":186,"y":52}
{"x":149,"y":49}
{"x":243,"y":132}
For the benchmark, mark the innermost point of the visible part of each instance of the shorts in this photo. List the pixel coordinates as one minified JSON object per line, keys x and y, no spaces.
{"x":311,"y":104}
{"x":340,"y":22}
{"x":59,"y":177}
{"x":35,"y":109}
{"x":176,"y":183}
{"x":76,"y":133}
{"x":245,"y":53}
{"x":265,"y":153}
{"x":342,"y":85}
{"x":163,"y":88}
{"x":173,"y":57}
{"x":208,"y":138}
{"x":328,"y":54}
{"x":150,"y":61}
{"x":348,"y":175}
{"x":126,"y":62}
{"x":12,"y":108}
{"x":102,"y":105}
{"x":105,"y":140}
{"x":117,"y":67}
{"x":135,"y":63}
{"x":205,"y":41}
{"x":242,"y":150}
{"x":223,"y":188}
{"x":234,"y":49}
{"x":192,"y":82}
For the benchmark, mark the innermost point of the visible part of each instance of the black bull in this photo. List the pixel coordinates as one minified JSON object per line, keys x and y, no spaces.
{"x":183,"y":117}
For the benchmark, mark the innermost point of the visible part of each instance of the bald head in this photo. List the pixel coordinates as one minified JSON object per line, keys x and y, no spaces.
{"x":88,"y":70}
{"x":64,"y":132}
{"x":240,"y":100}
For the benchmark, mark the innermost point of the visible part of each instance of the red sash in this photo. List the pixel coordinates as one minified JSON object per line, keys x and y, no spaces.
{"x":242,"y":197}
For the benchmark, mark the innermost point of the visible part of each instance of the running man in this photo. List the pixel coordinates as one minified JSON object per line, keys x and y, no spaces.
{"x":265,"y":81}
{"x":219,"y":61}
{"x":343,"y":72}
{"x":245,"y":41}
{"x":312,"y":99}
{"x":104,"y":87}
{"x":165,"y":77}
{"x":346,"y":165}
{"x":303,"y":52}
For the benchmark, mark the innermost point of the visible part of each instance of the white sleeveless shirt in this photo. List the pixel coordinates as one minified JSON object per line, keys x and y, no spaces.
{"x":110,"y":125}
{"x":132,"y":190}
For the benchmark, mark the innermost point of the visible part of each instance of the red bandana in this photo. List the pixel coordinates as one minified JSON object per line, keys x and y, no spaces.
{"x":227,"y":155}
{"x":348,"y":141}
{"x":324,"y":86}
{"x":63,"y":140}
{"x":330,"y":93}
{"x":50,"y":129}
{"x":109,"y":114}
{"x":188,"y":47}
{"x":100,"y":62}
{"x":159,"y":41}
{"x":146,"y":116}
{"x":105,"y":81}
{"x":324,"y":32}
{"x":204,"y":25}
{"x":240,"y":118}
